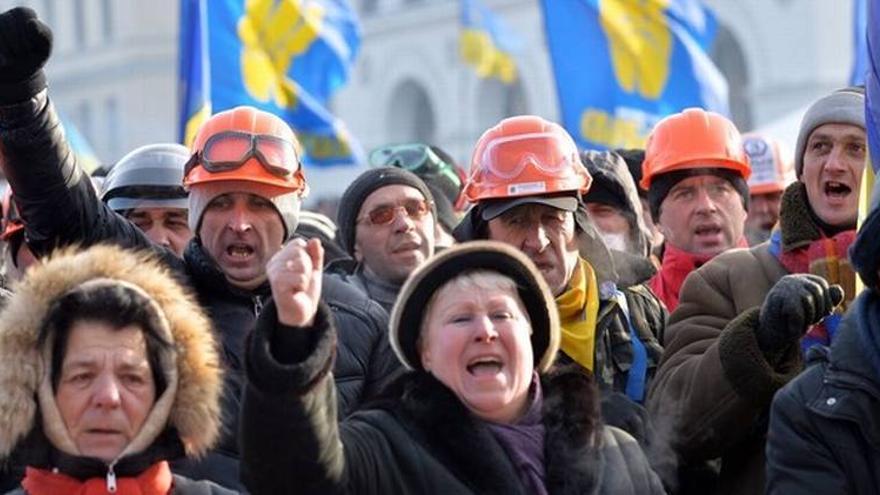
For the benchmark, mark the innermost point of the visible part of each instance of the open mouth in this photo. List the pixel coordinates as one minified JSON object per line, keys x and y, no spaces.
{"x":837,"y":189}
{"x":239,"y":251}
{"x":707,"y":230}
{"x":485,"y":366}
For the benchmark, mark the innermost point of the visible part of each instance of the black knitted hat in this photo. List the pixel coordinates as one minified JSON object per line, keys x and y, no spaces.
{"x":409,"y":310}
{"x":353,"y":198}
{"x":662,"y":184}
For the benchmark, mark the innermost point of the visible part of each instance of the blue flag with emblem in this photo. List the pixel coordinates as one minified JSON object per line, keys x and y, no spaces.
{"x":486,"y":43}
{"x":286,"y":57}
{"x":620,"y":66}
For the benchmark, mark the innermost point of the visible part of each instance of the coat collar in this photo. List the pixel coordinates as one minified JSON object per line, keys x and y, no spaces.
{"x":796,"y":219}
{"x":435,"y":417}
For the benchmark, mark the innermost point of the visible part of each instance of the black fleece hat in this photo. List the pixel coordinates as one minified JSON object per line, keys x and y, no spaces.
{"x":408,"y":312}
{"x":634,"y":158}
{"x":662,"y":184}
{"x":353,"y":198}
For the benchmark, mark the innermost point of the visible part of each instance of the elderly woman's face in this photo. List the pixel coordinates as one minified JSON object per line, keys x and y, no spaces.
{"x":106,"y":389}
{"x":477,"y":343}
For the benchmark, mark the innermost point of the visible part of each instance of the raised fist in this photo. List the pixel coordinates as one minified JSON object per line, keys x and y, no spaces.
{"x":294,"y":274}
{"x":25,"y":45}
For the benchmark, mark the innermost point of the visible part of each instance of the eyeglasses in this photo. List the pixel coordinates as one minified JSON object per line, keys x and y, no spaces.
{"x":230,"y":150}
{"x":385,"y":214}
{"x":418,"y":158}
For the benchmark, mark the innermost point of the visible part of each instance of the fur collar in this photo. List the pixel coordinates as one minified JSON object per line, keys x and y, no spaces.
{"x":435,"y":417}
{"x":796,"y":220}
{"x":195,"y":406}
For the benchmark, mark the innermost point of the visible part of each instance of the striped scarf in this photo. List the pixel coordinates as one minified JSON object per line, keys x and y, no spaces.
{"x":826,"y":257}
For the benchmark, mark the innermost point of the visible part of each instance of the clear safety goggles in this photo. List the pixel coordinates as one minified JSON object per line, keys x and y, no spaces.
{"x":551,"y":155}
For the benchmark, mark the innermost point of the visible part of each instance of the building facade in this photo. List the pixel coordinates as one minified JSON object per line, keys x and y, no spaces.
{"x":114,"y":70}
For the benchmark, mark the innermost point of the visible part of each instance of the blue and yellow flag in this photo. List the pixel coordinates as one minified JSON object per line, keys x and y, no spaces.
{"x":872,"y":104}
{"x":79,"y":145}
{"x":486,"y":43}
{"x":195,"y":71}
{"x":283,"y":56}
{"x":622,"y":65}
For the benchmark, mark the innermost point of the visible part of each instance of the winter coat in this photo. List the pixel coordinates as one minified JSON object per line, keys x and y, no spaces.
{"x":711,"y":395}
{"x":615,"y":270}
{"x":186,"y":418}
{"x":419,"y":439}
{"x":59,"y":206}
{"x":824,"y":434}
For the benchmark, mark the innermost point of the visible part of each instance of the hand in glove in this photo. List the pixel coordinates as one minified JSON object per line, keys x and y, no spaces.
{"x":25,"y":45}
{"x":794,"y":304}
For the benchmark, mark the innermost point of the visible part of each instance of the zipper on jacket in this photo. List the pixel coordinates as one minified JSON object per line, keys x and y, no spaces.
{"x":258,"y":306}
{"x":111,"y":478}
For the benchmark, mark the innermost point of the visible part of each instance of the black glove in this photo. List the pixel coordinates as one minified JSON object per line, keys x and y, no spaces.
{"x":794,"y":304}
{"x":25,"y":45}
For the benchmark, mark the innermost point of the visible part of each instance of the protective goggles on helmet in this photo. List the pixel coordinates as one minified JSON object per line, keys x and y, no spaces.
{"x":507,"y":157}
{"x":230,"y":150}
{"x":383,"y":215}
{"x":418,"y":158}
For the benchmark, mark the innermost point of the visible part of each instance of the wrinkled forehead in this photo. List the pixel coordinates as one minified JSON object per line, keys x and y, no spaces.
{"x":848,"y":132}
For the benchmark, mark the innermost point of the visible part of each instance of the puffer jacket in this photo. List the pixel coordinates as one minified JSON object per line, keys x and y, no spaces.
{"x":59,"y":206}
{"x":824,"y":434}
{"x":419,"y":439}
{"x":711,"y":395}
{"x":185,"y":420}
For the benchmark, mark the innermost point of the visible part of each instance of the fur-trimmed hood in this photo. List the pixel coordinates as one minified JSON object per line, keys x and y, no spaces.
{"x":191,"y":408}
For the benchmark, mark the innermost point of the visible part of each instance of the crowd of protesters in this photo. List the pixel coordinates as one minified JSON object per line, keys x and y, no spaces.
{"x":681,"y":319}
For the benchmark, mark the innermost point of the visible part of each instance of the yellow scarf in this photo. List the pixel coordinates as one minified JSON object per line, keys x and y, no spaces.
{"x":578,"y":310}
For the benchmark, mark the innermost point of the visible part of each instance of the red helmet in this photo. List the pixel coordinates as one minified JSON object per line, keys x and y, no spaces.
{"x":525,"y":156}
{"x":246,"y":144}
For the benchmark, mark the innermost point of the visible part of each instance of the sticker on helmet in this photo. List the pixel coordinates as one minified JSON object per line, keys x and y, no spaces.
{"x":526,"y":188}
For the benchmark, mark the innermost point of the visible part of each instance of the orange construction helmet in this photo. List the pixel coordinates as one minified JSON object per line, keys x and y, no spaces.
{"x":772,"y":166}
{"x":525,"y":156}
{"x":693,"y":139}
{"x":246,"y":144}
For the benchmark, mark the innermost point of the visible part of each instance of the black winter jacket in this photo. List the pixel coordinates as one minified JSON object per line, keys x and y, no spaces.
{"x":419,"y":439}
{"x":824,"y":434}
{"x":59,"y":206}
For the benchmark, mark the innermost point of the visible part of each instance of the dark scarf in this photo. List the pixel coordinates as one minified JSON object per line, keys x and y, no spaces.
{"x":524,"y":442}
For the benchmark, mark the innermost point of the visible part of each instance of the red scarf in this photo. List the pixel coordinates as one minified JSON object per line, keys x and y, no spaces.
{"x":675,"y":267}
{"x":156,"y":480}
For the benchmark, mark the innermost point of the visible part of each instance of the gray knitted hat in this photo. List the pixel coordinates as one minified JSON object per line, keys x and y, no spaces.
{"x":844,"y":106}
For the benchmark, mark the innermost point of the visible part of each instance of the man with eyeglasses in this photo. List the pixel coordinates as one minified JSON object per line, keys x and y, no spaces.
{"x":245,"y":183}
{"x":386,"y":223}
{"x":438,"y":170}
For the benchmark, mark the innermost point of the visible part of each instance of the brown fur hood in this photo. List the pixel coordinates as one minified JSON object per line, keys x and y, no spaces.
{"x":192,"y":407}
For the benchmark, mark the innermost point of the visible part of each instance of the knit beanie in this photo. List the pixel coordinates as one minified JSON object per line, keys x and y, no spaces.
{"x":662,"y":184}
{"x":286,"y":202}
{"x":353,"y":198}
{"x":844,"y":106}
{"x":408,"y":312}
